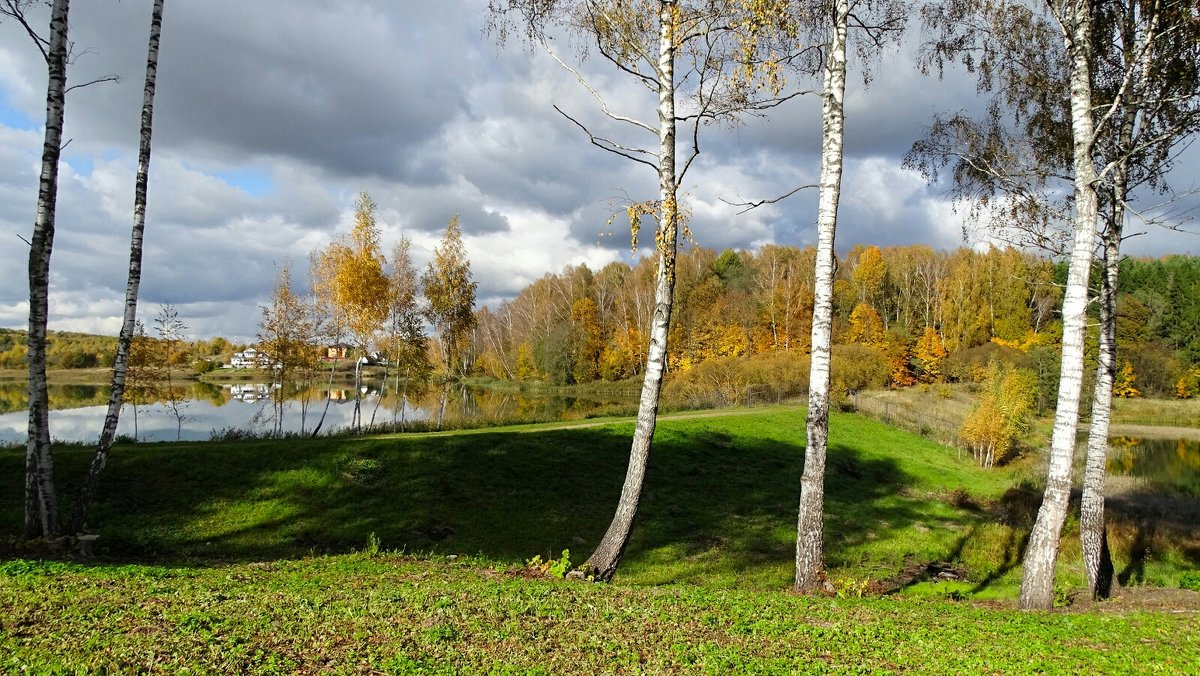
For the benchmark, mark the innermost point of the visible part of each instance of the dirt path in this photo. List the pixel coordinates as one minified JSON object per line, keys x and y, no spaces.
{"x":1156,"y":432}
{"x":584,"y":424}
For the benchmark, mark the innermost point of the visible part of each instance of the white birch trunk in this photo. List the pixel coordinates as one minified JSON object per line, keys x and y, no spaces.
{"x":328,"y":396}
{"x":1093,"y":536}
{"x":1097,"y":562}
{"x":810,"y":530}
{"x":41,"y":501}
{"x":1037,"y":585}
{"x":117,"y":393}
{"x":604,"y":560}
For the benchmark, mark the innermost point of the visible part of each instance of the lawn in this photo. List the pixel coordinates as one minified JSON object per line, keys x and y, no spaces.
{"x":406,"y":552}
{"x":363,"y":613}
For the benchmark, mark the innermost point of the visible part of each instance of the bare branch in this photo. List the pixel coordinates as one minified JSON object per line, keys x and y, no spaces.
{"x":105,"y":78}
{"x":16,"y":10}
{"x":603,"y":104}
{"x":758,"y":203}
{"x":612,"y":147}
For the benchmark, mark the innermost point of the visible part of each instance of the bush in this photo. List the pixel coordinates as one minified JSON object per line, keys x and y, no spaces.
{"x":728,"y":381}
{"x":202,"y":366}
{"x":856,"y":368}
{"x":965,"y":365}
{"x":1156,"y":365}
{"x":1190,"y":580}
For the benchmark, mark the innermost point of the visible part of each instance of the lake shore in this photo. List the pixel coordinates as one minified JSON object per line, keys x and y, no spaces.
{"x":1155,"y":432}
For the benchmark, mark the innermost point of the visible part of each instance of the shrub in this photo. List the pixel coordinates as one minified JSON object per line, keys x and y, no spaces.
{"x":858,"y":367}
{"x":964,"y":364}
{"x":729,"y":381}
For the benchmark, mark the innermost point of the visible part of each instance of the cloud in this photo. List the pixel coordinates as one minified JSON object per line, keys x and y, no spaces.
{"x":271,"y":116}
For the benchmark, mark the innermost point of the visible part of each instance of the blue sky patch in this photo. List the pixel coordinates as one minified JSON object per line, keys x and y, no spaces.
{"x":81,"y":164}
{"x":11,"y":117}
{"x":253,"y":182}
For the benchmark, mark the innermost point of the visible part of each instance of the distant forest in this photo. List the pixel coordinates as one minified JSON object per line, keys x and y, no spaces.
{"x":70,"y":350}
{"x":912,"y":314}
{"x":903,"y":315}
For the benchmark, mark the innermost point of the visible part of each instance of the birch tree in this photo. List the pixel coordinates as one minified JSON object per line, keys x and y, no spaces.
{"x":1037,"y":584}
{"x":836,"y":17}
{"x":1101,"y":85}
{"x":1148,"y":71}
{"x":407,"y":350}
{"x":1013,"y":45}
{"x":41,"y":499}
{"x":116,"y":397}
{"x":702,"y":61}
{"x":450,"y":299}
{"x":353,"y":288}
{"x":286,"y":334}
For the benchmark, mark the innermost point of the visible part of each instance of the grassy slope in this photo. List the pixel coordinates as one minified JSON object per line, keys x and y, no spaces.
{"x":718,"y":509}
{"x":718,"y":516}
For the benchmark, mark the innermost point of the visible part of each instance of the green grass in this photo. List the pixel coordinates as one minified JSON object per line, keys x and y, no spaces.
{"x":392,"y":614}
{"x":262,"y":556}
{"x":718,"y":509}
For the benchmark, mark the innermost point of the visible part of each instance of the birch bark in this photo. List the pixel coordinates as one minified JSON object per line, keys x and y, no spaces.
{"x":603,"y":562}
{"x":41,"y":501}
{"x":1097,"y":561}
{"x":810,"y":519}
{"x":1037,"y":585}
{"x":116,"y":396}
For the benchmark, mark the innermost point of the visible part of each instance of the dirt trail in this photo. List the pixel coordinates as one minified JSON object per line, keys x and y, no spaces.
{"x":1155,"y":432}
{"x":584,"y":424}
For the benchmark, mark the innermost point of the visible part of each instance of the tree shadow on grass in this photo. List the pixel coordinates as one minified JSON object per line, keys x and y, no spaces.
{"x":720,"y":498}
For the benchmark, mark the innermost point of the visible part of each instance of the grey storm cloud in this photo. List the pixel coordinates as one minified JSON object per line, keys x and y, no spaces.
{"x":273,"y":114}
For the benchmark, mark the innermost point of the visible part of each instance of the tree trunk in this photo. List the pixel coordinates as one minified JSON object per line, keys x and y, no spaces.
{"x":1037,"y":586}
{"x":1097,"y":561}
{"x":442,"y":406}
{"x":810,"y":530}
{"x":603,"y":562}
{"x":328,"y":396}
{"x":356,"y":422}
{"x":41,"y":501}
{"x":116,"y":395}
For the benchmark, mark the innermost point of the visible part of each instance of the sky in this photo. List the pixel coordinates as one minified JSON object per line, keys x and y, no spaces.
{"x":272,"y":115}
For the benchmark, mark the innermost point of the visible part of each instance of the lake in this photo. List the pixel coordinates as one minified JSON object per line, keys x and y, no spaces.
{"x":1161,"y":462}
{"x":77,"y":411}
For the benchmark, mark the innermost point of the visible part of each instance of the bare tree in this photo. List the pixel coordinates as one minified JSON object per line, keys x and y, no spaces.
{"x":116,"y":398}
{"x":170,"y":328}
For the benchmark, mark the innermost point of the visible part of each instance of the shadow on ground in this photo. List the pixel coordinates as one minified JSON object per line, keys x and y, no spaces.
{"x":720,"y":498}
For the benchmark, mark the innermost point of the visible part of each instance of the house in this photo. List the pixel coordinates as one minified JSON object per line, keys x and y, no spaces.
{"x":338,"y":351}
{"x":250,"y":358}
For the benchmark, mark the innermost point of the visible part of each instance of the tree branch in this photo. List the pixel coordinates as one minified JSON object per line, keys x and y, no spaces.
{"x":612,"y":147}
{"x":104,"y":78}
{"x":15,"y":10}
{"x":756,"y":204}
{"x":603,"y":104}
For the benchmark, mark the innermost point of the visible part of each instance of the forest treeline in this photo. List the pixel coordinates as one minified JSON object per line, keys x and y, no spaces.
{"x":71,"y":350}
{"x":903,"y":315}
